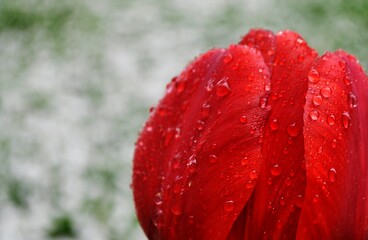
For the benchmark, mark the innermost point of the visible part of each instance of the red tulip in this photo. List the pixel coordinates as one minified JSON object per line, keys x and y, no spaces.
{"x":262,"y":140}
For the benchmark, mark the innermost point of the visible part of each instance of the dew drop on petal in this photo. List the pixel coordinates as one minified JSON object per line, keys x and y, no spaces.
{"x":314,"y":115}
{"x":192,"y":164}
{"x":334,"y":143}
{"x":244,"y":161}
{"x":200,"y":125}
{"x":269,"y":181}
{"x":176,"y":209}
{"x":180,"y":86}
{"x":249,"y":184}
{"x":293,"y":130}
{"x":331,"y":119}
{"x":267,"y":87}
{"x":332,"y":175}
{"x":288,"y":181}
{"x":320,"y":149}
{"x":316,"y":198}
{"x":353,"y":101}
{"x":213,"y":158}
{"x":222,"y":88}
{"x":253,"y":174}
{"x":346,"y":119}
{"x":158,"y":199}
{"x":313,"y":76}
{"x":275,"y":170}
{"x":317,"y":100}
{"x":347,"y":80}
{"x":229,"y":206}
{"x":326,"y":92}
{"x":282,"y":201}
{"x":274,"y":124}
{"x":243,"y":119}
{"x":205,"y":111}
{"x":263,"y":102}
{"x":210,"y":85}
{"x":228,"y":57}
{"x":157,"y":218}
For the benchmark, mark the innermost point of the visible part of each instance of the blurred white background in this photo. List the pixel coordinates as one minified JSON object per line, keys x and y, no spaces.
{"x":77,"y":78}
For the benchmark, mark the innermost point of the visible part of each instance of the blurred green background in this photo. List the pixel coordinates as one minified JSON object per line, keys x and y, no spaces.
{"x":77,"y":78}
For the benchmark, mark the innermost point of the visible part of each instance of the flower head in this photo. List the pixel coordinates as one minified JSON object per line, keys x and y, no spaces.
{"x":261,"y":140}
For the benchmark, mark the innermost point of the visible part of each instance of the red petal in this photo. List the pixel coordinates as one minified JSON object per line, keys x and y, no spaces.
{"x":198,"y":157}
{"x":273,"y":209}
{"x":264,"y":41}
{"x":336,"y":140}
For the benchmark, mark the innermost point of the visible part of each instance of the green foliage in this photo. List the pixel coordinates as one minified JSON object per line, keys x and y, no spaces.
{"x":62,"y":226}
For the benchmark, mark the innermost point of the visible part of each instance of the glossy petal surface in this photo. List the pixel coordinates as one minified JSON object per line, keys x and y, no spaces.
{"x":336,"y":139}
{"x":198,"y":157}
{"x":274,"y":208}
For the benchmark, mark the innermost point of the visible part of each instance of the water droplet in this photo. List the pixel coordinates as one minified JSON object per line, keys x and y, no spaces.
{"x":274,"y":124}
{"x":282,"y":201}
{"x":334,"y":143}
{"x":353,"y":101}
{"x":320,"y":150}
{"x":192,"y":164}
{"x":176,"y":209}
{"x":244,"y":161}
{"x":252,"y":130}
{"x":346,"y":119}
{"x":293,"y":130}
{"x":177,"y":188}
{"x":314,"y":115}
{"x":180,"y":86}
{"x":210,"y":85}
{"x":331,"y":119}
{"x":326,"y":92}
{"x":342,"y":64}
{"x":288,"y":181}
{"x":332,"y":175}
{"x":263,"y":102}
{"x":253,"y":174}
{"x":316,"y":198}
{"x":157,"y":219}
{"x":313,"y":76}
{"x":300,"y":58}
{"x":222,"y":88}
{"x":191,"y":219}
{"x":317,"y":100}
{"x":275,"y":170}
{"x":249,"y":184}
{"x":200,"y":125}
{"x":269,"y":181}
{"x":243,"y":119}
{"x":158,"y":199}
{"x":324,"y":186}
{"x":213,"y":158}
{"x":205,"y":111}
{"x":267,"y":87}
{"x":229,"y":206}
{"x":347,"y":80}
{"x":228,"y":57}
